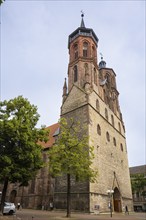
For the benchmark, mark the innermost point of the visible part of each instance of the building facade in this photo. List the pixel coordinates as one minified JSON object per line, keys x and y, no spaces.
{"x":138,"y":178}
{"x":90,"y":96}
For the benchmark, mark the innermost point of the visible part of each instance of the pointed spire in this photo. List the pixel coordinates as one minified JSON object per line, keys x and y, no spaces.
{"x":82,"y":21}
{"x":64,"y":90}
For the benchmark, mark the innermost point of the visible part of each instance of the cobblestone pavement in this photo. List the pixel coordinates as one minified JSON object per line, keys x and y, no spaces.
{"x":28,"y":214}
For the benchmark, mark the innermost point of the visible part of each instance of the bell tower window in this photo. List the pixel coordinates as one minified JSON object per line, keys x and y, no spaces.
{"x":76,"y":51}
{"x":75,"y":73}
{"x":93,"y":52}
{"x":85,"y":49}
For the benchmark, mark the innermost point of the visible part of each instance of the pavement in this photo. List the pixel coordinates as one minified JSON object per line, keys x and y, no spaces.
{"x":29,"y":214}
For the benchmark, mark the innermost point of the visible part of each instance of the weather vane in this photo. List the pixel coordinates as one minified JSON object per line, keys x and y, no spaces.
{"x":101,"y":56}
{"x":82,"y":13}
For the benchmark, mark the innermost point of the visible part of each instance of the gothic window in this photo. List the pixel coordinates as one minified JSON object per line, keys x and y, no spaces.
{"x":114,"y":141}
{"x":107,"y":136}
{"x":75,"y":73}
{"x":95,"y":77}
{"x":97,"y":105}
{"x":76,"y":51}
{"x":112,"y":119}
{"x":121,"y":145}
{"x":106,"y":114}
{"x":119,"y":127}
{"x":98,"y":129}
{"x":85,"y":49}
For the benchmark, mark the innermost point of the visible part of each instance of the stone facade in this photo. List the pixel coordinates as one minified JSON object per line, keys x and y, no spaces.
{"x":90,"y":96}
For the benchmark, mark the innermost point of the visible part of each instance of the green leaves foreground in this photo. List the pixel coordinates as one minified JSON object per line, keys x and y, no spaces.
{"x":20,"y":153}
{"x":71,"y":154}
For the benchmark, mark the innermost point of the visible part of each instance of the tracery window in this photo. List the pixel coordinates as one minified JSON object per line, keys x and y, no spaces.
{"x":85,"y":49}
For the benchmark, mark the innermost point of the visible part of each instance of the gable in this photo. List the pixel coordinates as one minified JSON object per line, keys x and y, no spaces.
{"x":75,"y":99}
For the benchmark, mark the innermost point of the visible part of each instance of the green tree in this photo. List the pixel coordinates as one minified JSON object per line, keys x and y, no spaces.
{"x":72,"y":156}
{"x":20,"y":151}
{"x":1,"y":1}
{"x":138,"y":183}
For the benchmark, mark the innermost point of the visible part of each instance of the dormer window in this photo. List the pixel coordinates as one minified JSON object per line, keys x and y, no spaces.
{"x":75,"y":73}
{"x":85,"y":49}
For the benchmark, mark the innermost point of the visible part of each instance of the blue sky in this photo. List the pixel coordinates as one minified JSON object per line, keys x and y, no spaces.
{"x":34,"y":56}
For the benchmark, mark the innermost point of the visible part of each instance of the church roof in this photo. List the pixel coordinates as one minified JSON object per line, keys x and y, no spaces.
{"x":82,"y":31}
{"x":138,"y":169}
{"x":53,"y":131}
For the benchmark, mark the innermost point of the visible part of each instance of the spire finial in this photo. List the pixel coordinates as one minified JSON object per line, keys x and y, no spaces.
{"x":101,"y":56}
{"x":82,"y":21}
{"x":102,"y":63}
{"x":82,"y":14}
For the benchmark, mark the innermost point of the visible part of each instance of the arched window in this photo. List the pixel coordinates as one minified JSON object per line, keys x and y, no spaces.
{"x":107,"y":136}
{"x":112,"y":119}
{"x":106,"y":114}
{"x":98,"y":129}
{"x":85,"y":49}
{"x":121,"y":145}
{"x":97,"y":105}
{"x":114,"y":141}
{"x":95,"y":77}
{"x":93,"y":52}
{"x":76,"y":51}
{"x":75,"y":73}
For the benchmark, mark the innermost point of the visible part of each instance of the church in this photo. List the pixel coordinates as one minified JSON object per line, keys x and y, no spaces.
{"x":90,"y":95}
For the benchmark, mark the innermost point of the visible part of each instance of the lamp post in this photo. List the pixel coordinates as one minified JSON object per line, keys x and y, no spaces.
{"x":110,"y":193}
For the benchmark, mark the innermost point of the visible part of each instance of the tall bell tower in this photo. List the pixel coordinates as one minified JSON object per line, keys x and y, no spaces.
{"x":91,"y":96}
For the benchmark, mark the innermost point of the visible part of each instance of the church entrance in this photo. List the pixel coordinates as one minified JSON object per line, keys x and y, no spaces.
{"x":117,"y":200}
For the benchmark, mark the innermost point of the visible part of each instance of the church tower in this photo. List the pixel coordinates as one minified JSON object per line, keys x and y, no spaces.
{"x":91,"y":96}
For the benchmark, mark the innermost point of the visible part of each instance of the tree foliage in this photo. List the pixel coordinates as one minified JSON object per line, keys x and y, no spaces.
{"x":20,"y":152}
{"x":1,"y":1}
{"x":71,"y":155}
{"x":138,"y":182}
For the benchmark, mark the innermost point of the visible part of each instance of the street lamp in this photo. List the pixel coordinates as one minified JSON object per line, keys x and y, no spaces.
{"x":110,"y":193}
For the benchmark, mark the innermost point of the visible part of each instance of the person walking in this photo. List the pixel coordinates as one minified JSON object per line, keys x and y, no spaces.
{"x":126,"y":210}
{"x":18,"y":205}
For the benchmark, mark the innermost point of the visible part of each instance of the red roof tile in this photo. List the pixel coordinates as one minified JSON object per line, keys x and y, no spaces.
{"x":52,"y":129}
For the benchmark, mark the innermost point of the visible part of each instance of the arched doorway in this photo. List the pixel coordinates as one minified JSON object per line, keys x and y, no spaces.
{"x":13,"y":196}
{"x":117,"y":200}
